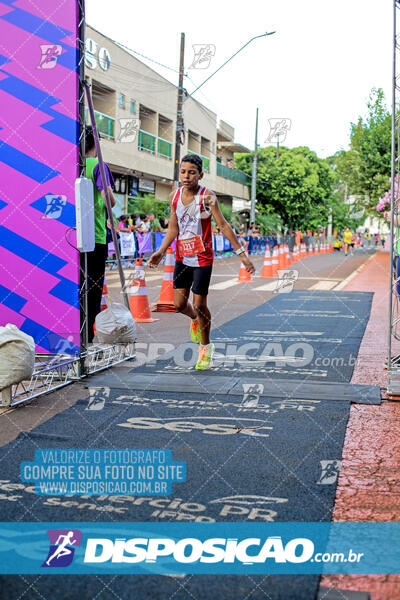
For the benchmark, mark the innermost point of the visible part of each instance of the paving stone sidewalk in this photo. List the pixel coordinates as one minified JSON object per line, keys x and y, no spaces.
{"x":369,"y":483}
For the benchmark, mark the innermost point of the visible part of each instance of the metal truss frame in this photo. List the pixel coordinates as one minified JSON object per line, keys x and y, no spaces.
{"x":393,"y":360}
{"x":53,"y":371}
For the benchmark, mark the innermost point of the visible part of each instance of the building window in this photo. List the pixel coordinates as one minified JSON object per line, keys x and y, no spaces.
{"x":121,"y":102}
{"x":133,"y":108}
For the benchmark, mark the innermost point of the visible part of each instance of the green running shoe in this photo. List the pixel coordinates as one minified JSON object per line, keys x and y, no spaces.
{"x":205,"y":357}
{"x":195,"y":333}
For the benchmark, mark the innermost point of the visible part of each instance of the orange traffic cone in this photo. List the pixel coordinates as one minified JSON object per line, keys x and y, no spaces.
{"x":266,"y":271}
{"x":138,"y":299}
{"x":304,"y":251}
{"x":166,"y":300}
{"x":310,"y":250}
{"x":295,"y":256}
{"x":281,"y":257}
{"x":275,"y":261}
{"x":243,"y":274}
{"x":287,"y":256}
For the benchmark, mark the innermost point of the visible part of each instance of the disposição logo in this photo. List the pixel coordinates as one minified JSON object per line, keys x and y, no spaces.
{"x":62,"y":550}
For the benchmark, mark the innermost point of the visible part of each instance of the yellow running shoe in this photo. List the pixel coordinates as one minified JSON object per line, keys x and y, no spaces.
{"x":195,"y":333}
{"x":205,"y":357}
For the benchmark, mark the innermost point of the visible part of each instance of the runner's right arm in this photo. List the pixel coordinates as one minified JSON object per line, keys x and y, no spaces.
{"x":172,"y":233}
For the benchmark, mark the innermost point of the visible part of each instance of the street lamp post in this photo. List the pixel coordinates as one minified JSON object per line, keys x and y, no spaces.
{"x":254,"y":176}
{"x":229,"y":59}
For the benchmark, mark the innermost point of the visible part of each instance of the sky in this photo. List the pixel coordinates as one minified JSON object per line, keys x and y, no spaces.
{"x":317,"y":70}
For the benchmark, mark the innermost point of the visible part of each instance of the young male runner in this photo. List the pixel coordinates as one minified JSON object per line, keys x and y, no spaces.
{"x":192,"y":206}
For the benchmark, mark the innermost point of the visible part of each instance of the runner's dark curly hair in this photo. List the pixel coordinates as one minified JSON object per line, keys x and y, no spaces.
{"x":195,"y":160}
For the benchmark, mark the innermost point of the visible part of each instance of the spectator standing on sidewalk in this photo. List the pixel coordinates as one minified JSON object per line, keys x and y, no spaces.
{"x":164,"y":222}
{"x":135,"y":223}
{"x":96,"y":260}
{"x":124,"y":225}
{"x":155,"y":225}
{"x":145,"y":224}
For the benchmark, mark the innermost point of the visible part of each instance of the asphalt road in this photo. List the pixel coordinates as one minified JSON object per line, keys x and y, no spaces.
{"x":323,"y":272}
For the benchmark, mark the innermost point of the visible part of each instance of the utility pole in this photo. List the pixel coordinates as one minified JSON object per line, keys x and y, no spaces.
{"x":179,"y":115}
{"x":330,"y":220}
{"x":254,"y":176}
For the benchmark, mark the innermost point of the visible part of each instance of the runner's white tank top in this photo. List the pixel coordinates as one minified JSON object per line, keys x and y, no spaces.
{"x":194,"y":219}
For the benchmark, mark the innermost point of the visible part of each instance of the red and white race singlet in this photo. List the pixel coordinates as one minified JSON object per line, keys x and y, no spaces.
{"x":194,"y":245}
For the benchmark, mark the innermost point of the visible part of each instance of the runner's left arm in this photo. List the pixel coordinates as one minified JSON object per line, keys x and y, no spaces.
{"x":226,"y":230}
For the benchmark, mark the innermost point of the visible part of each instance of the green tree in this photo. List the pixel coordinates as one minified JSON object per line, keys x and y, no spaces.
{"x":148,"y":204}
{"x":298,"y":186}
{"x":365,"y":168}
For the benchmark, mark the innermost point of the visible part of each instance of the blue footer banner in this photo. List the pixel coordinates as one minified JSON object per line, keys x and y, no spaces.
{"x":199,"y":548}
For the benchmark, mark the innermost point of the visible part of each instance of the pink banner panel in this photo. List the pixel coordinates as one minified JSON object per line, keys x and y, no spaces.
{"x":39,"y":153}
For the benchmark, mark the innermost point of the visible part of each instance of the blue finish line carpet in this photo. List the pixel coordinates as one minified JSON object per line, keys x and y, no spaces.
{"x":250,"y":457}
{"x":304,"y":335}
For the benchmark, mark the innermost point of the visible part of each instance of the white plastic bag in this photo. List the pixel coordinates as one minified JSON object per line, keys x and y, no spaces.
{"x":115,"y":325}
{"x":17,"y":356}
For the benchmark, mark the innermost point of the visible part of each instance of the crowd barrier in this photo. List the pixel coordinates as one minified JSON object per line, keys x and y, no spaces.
{"x":134,"y":245}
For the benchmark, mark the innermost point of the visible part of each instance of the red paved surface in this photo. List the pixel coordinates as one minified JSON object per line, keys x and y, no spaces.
{"x":369,"y":483}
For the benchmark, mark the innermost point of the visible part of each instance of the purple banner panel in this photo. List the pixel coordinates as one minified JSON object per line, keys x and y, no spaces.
{"x":144,"y":242}
{"x":39,"y":270}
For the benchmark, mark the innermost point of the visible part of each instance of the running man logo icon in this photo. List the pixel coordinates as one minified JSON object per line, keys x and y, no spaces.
{"x":54,"y":206}
{"x":128,"y":128}
{"x":203,"y":54}
{"x":358,"y":214}
{"x":61,"y":551}
{"x":330,"y":471}
{"x":286,"y":281}
{"x":278,"y":129}
{"x":97,"y":398}
{"x":252,"y":393}
{"x":50,"y":54}
{"x":133,"y":285}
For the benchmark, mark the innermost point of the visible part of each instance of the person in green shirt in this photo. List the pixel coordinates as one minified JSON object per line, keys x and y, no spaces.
{"x":155,"y":224}
{"x":96,"y":260}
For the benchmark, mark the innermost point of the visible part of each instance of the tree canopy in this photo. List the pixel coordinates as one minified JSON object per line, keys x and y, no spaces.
{"x":298,"y":186}
{"x":301,"y":188}
{"x":365,"y":168}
